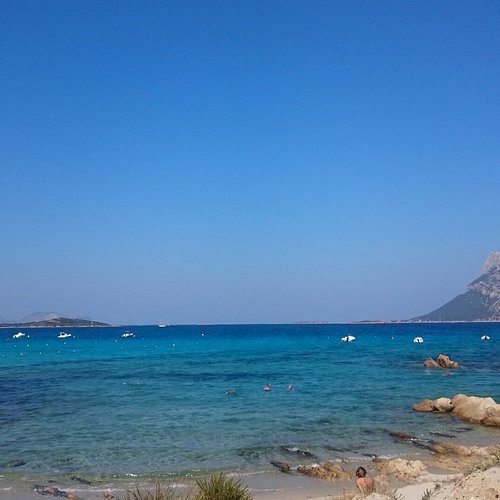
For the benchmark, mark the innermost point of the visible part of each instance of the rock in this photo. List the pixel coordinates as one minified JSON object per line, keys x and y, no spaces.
{"x":461,"y":457}
{"x":402,"y":469}
{"x":472,"y":408}
{"x":468,"y":408}
{"x":430,"y":363}
{"x":80,"y":480}
{"x":402,"y":437}
{"x":442,"y":405}
{"x":425,"y":405}
{"x":329,"y":471}
{"x":443,"y":361}
{"x":442,"y":434}
{"x":282,"y":466}
{"x":13,"y":463}
{"x":298,"y":451}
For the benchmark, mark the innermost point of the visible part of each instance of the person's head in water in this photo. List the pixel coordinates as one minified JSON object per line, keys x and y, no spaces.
{"x":360,"y":472}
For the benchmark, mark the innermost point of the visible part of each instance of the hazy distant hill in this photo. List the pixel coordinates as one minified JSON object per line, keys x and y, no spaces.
{"x":481,"y":300}
{"x":54,"y":321}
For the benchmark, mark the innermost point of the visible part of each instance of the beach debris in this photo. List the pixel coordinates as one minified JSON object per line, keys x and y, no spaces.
{"x":443,"y":361}
{"x":53,"y":491}
{"x":473,"y":409}
{"x":402,"y":469}
{"x":329,"y":471}
{"x":282,"y":466}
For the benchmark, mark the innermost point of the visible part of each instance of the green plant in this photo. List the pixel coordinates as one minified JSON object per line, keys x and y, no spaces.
{"x":220,"y":487}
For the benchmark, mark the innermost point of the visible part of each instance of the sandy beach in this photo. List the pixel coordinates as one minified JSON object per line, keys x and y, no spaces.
{"x":469,"y":479}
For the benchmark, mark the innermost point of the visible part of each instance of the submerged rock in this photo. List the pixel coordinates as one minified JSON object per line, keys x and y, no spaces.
{"x":282,"y":466}
{"x":298,"y":451}
{"x":403,"y":437}
{"x":13,"y":463}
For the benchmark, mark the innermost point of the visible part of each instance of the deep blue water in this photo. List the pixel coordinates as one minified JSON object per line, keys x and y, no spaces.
{"x":101,"y":405}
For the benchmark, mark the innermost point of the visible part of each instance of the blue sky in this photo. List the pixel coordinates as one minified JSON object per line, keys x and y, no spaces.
{"x":266,"y":161}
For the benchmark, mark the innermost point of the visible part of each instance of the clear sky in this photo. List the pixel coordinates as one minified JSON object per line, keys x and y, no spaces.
{"x":246,"y":161}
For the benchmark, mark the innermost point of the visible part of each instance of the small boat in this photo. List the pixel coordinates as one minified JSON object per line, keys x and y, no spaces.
{"x":348,"y":338}
{"x":64,"y":335}
{"x":18,"y":335}
{"x":127,"y":335}
{"x":485,"y":337}
{"x":418,"y":340}
{"x":162,"y":325}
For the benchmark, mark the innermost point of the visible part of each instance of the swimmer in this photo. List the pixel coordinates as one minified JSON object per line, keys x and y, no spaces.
{"x":364,"y":484}
{"x":230,"y":392}
{"x":290,"y":387}
{"x":267,"y":387}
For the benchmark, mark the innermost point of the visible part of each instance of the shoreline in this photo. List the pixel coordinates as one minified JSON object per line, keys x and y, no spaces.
{"x":275,"y":485}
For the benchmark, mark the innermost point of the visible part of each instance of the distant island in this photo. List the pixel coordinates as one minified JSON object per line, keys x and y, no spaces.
{"x":57,"y":322}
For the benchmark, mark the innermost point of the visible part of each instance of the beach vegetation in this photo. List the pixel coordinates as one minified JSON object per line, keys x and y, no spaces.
{"x":221,"y":487}
{"x":215,"y":487}
{"x":159,"y":493}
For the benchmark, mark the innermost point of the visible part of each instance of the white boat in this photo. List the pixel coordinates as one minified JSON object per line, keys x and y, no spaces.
{"x":127,"y":335}
{"x":64,"y":335}
{"x":18,"y":335}
{"x":418,"y":340}
{"x":348,"y":338}
{"x":485,"y":337}
{"x":162,"y":325}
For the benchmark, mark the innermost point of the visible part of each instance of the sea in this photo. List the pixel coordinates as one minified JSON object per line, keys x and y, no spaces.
{"x":182,"y":401}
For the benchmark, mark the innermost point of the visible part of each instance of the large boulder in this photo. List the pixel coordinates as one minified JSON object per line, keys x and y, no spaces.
{"x":402,"y":469}
{"x":468,"y":408}
{"x":472,"y":408}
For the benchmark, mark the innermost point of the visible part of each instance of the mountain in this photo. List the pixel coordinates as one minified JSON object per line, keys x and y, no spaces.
{"x":480,"y":302}
{"x":42,"y":316}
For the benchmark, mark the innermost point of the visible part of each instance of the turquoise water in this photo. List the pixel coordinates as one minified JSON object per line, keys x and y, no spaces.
{"x":155,"y":405}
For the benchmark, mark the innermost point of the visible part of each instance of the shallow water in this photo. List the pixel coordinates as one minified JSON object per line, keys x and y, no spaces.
{"x":98,"y":405}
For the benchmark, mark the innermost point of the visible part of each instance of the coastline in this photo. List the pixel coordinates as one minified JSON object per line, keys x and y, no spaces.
{"x":438,"y":479}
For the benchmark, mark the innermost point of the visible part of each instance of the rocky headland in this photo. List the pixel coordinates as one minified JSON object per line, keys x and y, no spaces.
{"x":480,"y":302}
